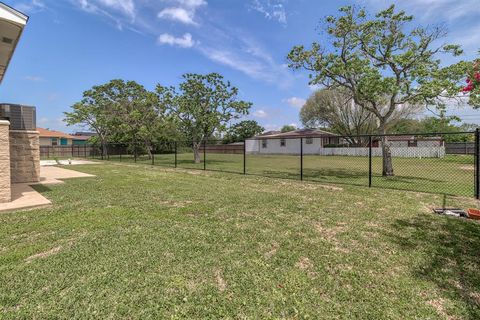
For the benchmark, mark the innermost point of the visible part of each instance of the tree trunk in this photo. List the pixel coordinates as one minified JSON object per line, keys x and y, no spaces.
{"x":104,"y":149}
{"x":196,"y":152}
{"x":387,"y":165}
{"x":149,"y":148}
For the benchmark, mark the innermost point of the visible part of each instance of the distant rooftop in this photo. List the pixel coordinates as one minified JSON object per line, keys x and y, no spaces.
{"x":45,"y":133}
{"x":300,"y":133}
{"x":84,"y":133}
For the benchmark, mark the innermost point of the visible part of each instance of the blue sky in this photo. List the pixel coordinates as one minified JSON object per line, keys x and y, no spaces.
{"x":70,"y":45}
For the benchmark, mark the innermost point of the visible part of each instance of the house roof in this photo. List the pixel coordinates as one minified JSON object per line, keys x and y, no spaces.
{"x":84,"y":133}
{"x":81,"y":138}
{"x":12,"y":23}
{"x":45,"y":133}
{"x":301,"y":133}
{"x":410,"y":138}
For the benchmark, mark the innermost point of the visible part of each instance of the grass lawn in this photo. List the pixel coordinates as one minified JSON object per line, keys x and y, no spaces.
{"x":149,"y":242}
{"x":453,"y":175}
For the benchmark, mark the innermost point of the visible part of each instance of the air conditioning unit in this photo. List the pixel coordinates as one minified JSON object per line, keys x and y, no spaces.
{"x":20,"y":117}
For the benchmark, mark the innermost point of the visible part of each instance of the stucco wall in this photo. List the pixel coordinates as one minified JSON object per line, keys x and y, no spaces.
{"x":5,"y":191}
{"x":24,"y":156}
{"x":292,"y":146}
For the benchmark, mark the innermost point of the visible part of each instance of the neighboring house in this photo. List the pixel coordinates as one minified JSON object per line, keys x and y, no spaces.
{"x":81,"y":138}
{"x":412,"y":142}
{"x":319,"y":142}
{"x":54,"y":138}
{"x":289,"y":142}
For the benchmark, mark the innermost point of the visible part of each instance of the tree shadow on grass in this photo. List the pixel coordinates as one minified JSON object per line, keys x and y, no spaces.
{"x":452,"y":251}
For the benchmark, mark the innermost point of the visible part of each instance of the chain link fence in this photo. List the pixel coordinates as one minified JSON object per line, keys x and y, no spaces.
{"x":435,"y":163}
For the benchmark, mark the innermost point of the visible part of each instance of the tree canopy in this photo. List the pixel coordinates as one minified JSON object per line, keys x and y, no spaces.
{"x":288,"y":128}
{"x":243,"y":130}
{"x":384,"y":63}
{"x":202,"y":105}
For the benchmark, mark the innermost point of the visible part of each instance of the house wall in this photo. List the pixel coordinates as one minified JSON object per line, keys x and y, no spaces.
{"x":24,"y":156}
{"x":292,"y":146}
{"x":420,"y":143}
{"x":47,"y":141}
{"x":428,"y":149}
{"x":5,"y":184}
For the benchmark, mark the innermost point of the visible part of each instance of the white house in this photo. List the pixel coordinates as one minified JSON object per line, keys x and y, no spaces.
{"x":319,"y":142}
{"x":314,"y":140}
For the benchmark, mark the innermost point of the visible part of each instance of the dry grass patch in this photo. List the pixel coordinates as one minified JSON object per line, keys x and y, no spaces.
{"x":44,"y":254}
{"x":220,"y":281}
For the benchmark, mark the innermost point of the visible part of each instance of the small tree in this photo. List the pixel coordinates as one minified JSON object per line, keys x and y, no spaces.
{"x":243,"y":130}
{"x":94,"y":112}
{"x":202,"y":105}
{"x":288,"y":128}
{"x":382,"y":62}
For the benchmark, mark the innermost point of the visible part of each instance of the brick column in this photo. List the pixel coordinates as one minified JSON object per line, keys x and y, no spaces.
{"x":5,"y":184}
{"x":24,"y":156}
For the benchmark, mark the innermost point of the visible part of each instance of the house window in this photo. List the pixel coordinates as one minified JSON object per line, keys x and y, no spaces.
{"x":54,"y":142}
{"x":412,"y":143}
{"x":264,"y":144}
{"x":282,"y":143}
{"x":309,"y":140}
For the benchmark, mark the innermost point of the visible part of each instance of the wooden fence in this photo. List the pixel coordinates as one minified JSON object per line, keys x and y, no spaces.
{"x":224,"y":148}
{"x":66,"y":151}
{"x":459,"y":148}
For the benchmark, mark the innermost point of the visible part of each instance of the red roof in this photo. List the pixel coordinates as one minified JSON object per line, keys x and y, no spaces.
{"x":45,"y":133}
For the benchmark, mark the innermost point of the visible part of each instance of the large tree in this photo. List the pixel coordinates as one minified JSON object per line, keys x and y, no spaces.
{"x":137,"y":114}
{"x":243,"y":130}
{"x":335,"y":110}
{"x":288,"y":128}
{"x":93,"y":112}
{"x":202,"y":105}
{"x":383,"y":61}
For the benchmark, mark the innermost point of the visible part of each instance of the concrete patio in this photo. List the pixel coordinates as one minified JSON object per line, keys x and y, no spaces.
{"x":25,"y":197}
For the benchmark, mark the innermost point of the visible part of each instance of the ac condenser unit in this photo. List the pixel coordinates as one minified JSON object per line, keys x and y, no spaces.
{"x":20,"y":117}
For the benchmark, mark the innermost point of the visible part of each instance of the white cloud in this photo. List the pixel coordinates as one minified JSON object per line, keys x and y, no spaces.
{"x":295,"y":102}
{"x":183,"y":42}
{"x":271,"y":9}
{"x":34,"y":78}
{"x":249,"y":58}
{"x":32,"y":6}
{"x":260,"y":114}
{"x":177,"y":14}
{"x":184,"y":12}
{"x":125,"y":6}
{"x":122,"y":12}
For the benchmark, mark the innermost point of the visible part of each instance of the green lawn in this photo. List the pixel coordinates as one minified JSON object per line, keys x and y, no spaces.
{"x":143,"y":242}
{"x":453,"y":175}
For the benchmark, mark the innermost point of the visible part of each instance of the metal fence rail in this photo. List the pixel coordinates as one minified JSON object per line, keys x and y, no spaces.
{"x":421,"y":162}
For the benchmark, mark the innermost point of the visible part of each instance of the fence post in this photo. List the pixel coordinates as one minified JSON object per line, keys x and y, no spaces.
{"x":301,"y":158}
{"x":175,"y":154}
{"x":153,"y":157}
{"x":204,"y":156}
{"x":370,"y":161}
{"x":477,"y":163}
{"x":244,"y":156}
{"x":135,"y":153}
